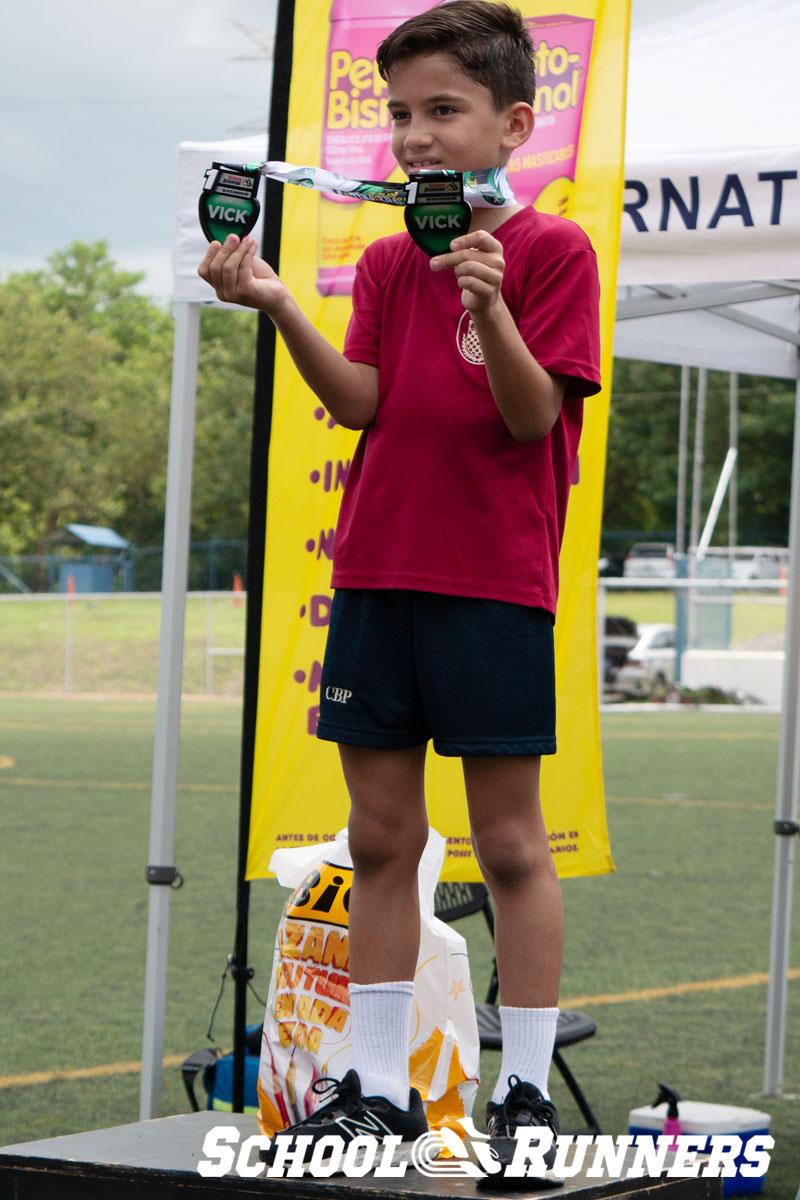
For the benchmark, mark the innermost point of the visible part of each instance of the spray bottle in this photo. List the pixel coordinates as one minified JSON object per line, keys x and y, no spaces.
{"x":672,"y":1124}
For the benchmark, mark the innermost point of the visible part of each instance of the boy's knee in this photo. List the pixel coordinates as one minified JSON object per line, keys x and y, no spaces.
{"x":378,"y":843}
{"x":509,"y":862}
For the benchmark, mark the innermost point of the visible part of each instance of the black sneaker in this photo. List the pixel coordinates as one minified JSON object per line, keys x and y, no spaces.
{"x":523,"y":1106}
{"x":349,"y":1115}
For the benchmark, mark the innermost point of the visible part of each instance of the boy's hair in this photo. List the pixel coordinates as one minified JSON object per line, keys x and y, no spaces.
{"x":488,"y":42}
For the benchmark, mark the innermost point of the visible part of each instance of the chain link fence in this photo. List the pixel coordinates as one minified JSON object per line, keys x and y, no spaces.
{"x":107,"y":644}
{"x":213,"y":566}
{"x":659,"y":639}
{"x":709,"y":637}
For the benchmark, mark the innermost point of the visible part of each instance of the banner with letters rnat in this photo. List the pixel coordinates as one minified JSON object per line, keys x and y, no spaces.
{"x":572,"y":165}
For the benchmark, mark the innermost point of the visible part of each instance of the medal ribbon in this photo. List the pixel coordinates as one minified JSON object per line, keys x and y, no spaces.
{"x":482,"y":189}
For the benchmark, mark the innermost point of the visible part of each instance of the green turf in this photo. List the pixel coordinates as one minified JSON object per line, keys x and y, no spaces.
{"x":690,"y":800}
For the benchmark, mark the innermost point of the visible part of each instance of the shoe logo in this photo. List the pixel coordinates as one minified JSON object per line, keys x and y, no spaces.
{"x":337,"y":694}
{"x":368,"y":1125}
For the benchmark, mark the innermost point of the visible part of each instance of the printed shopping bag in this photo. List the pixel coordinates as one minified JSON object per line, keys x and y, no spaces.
{"x":307,"y":1022}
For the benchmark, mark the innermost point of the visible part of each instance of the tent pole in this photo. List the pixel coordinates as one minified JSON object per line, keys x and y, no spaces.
{"x":786,"y":804}
{"x":161,"y":873}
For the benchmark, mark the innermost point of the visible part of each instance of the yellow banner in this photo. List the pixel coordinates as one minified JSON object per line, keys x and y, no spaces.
{"x":573,"y":165}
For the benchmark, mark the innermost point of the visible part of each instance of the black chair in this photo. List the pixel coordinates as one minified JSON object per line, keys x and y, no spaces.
{"x":208,"y":1059}
{"x":452,"y":901}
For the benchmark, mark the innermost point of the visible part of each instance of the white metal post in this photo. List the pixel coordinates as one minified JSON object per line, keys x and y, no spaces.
{"x":786,"y":802}
{"x":699,"y":457}
{"x":683,"y":454}
{"x":168,"y":703}
{"x":733,"y":442}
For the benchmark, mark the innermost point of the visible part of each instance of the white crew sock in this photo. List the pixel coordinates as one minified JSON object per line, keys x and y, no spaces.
{"x":380,"y":1014}
{"x":529,"y":1035}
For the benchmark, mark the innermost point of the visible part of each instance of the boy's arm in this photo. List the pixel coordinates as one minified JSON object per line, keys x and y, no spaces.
{"x":529,"y":397}
{"x":349,"y":390}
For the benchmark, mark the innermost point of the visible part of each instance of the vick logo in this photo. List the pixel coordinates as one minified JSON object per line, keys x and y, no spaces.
{"x":337,"y":694}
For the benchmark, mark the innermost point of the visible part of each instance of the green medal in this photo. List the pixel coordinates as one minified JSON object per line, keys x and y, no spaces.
{"x":436,"y":211}
{"x":228,"y":201}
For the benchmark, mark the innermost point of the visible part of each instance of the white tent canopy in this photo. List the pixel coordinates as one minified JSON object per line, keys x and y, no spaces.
{"x":709,"y":264}
{"x":713,"y":196}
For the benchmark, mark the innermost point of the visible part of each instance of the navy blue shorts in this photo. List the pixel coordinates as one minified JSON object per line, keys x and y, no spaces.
{"x":402,"y":667}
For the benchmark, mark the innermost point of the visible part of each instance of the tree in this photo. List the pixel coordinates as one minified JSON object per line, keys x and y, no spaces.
{"x":85,"y":387}
{"x":642,"y":459}
{"x":84,"y":395}
{"x":226,"y":372}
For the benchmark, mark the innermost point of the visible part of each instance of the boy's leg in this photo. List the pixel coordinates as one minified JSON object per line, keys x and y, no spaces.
{"x":388,"y":830}
{"x":512,"y":847}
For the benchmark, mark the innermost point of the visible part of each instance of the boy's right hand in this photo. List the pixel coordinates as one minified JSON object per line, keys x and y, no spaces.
{"x":238,"y":277}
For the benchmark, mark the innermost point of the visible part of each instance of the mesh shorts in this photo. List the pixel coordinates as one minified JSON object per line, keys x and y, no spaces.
{"x":403,"y":667}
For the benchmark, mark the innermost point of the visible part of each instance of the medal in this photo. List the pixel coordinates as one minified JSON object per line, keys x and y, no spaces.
{"x":438,"y":204}
{"x":228,"y":201}
{"x":436,"y":211}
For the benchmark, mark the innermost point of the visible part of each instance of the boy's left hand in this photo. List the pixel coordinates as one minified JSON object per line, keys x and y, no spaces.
{"x":478,"y":262}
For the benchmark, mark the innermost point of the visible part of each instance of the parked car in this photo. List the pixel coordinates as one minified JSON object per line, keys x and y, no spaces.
{"x":650,"y":665}
{"x":759,"y":562}
{"x":650,"y":560}
{"x":621,"y":635}
{"x":609,"y":565}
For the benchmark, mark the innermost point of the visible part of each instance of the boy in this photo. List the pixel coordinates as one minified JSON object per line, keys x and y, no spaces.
{"x":466,"y":374}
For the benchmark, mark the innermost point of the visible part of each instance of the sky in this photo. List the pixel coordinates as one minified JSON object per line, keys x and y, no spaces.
{"x":94,"y":99}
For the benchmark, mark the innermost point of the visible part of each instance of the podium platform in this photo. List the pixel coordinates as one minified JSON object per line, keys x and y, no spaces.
{"x":157,"y":1160}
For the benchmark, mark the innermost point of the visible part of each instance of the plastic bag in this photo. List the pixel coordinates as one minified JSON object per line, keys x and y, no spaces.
{"x":307,"y":1022}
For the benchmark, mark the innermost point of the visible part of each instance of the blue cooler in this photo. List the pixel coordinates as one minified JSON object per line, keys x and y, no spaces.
{"x":698,"y":1118}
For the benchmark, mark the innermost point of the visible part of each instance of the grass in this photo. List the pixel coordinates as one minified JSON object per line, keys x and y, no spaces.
{"x":690,"y":799}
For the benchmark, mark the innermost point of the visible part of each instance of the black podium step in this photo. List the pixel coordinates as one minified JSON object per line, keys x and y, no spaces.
{"x":157,"y":1160}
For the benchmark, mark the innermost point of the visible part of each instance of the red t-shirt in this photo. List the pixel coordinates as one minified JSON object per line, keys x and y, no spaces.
{"x":439,"y":496}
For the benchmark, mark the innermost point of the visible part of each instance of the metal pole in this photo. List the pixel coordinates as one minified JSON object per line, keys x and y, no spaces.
{"x":699,"y":456}
{"x":786,"y":801}
{"x":160,"y":871}
{"x":716,"y":503}
{"x":683,"y":454}
{"x":733,"y":442}
{"x":697,"y":497}
{"x":681,"y":627}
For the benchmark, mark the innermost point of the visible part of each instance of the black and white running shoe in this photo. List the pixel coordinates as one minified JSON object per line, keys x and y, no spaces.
{"x":523,"y":1106}
{"x":350,"y":1115}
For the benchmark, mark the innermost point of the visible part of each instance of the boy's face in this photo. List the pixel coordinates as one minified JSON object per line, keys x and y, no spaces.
{"x":442,"y":120}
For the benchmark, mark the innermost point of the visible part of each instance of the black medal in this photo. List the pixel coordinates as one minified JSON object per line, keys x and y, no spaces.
{"x":228,"y":201}
{"x":436,"y":211}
